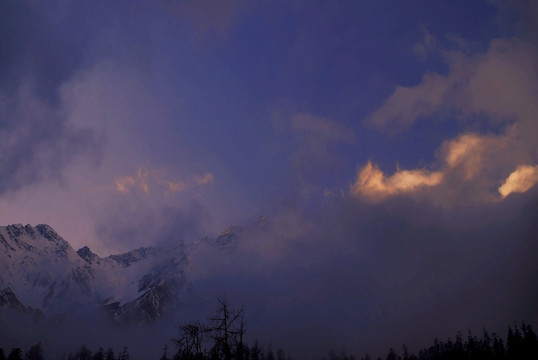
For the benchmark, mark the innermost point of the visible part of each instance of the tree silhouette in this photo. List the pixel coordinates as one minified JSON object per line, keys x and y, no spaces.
{"x":530,"y":342}
{"x":15,"y":354}
{"x":99,"y":355}
{"x":34,"y":353}
{"x":110,"y":354}
{"x":221,"y":339}
{"x":226,"y":330}
{"x":124,"y":354}
{"x":165,"y":353}
{"x":189,"y":341}
{"x":83,"y":353}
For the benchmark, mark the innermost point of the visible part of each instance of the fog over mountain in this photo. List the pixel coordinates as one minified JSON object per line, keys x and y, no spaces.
{"x":348,"y":284}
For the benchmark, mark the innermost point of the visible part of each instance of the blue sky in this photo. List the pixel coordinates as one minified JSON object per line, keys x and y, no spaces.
{"x":129,"y":123}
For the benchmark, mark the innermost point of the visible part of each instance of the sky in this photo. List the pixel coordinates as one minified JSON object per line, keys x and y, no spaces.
{"x":392,"y":147}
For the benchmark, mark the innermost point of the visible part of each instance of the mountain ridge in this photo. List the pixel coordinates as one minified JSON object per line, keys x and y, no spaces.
{"x":40,"y":270}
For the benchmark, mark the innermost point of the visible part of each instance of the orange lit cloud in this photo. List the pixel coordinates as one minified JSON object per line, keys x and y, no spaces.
{"x":124,"y":184}
{"x":373,"y":183}
{"x":471,"y":152}
{"x":520,"y":180}
{"x":469,"y":165}
{"x":175,"y":187}
{"x":146,"y":180}
{"x":142,"y":176}
{"x":497,"y":85}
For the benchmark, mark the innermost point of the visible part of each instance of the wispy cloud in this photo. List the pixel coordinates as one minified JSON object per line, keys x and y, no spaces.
{"x":205,"y":179}
{"x":124,"y":184}
{"x":424,"y":47}
{"x":499,"y":83}
{"x":316,"y":132}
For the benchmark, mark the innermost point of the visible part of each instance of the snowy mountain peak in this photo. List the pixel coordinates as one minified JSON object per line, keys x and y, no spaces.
{"x":40,"y":273}
{"x":17,"y":230}
{"x":41,"y":238}
{"x":87,"y":255}
{"x":47,"y":232}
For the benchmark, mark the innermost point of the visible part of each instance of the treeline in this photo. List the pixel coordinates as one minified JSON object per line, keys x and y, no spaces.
{"x":521,"y":343}
{"x":221,"y":337}
{"x":35,"y":352}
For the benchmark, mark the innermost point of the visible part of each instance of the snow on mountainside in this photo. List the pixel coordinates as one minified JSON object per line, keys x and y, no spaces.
{"x":42,"y":275}
{"x":41,"y":268}
{"x":40,"y":271}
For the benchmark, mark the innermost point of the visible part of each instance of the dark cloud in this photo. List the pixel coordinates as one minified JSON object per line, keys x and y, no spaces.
{"x":39,"y":51}
{"x":41,"y":43}
{"x":367,"y":277}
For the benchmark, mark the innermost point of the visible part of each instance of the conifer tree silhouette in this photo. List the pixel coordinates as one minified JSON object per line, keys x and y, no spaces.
{"x":15,"y":354}
{"x":34,"y":353}
{"x":110,"y":354}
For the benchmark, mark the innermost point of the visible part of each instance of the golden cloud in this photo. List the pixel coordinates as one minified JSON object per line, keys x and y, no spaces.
{"x":469,"y":152}
{"x":374,"y":184}
{"x":124,"y":184}
{"x":498,"y":85}
{"x":470,"y":161}
{"x":142,"y":176}
{"x":156,"y":179}
{"x":520,"y":180}
{"x":177,"y":186}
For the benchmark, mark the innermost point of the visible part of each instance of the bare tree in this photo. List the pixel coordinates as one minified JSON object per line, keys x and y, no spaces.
{"x":190,"y":341}
{"x":226,"y":330}
{"x":221,"y":339}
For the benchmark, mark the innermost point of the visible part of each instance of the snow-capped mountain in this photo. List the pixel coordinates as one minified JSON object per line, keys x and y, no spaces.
{"x":41,"y":272}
